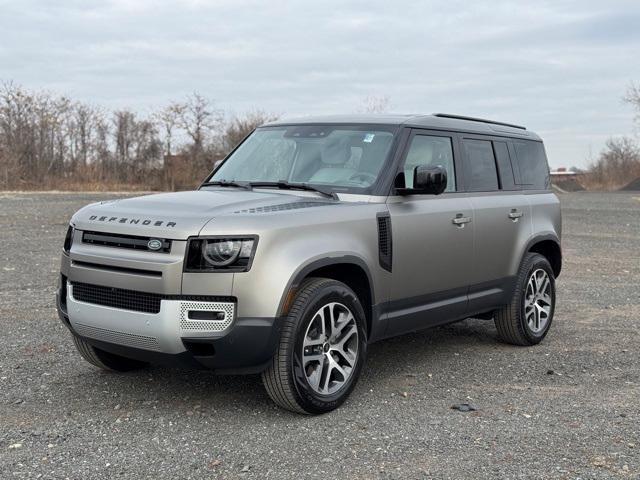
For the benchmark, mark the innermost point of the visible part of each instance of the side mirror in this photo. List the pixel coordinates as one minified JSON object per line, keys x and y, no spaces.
{"x":429,"y":179}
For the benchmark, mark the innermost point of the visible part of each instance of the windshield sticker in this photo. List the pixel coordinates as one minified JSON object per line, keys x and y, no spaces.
{"x":368,"y":138}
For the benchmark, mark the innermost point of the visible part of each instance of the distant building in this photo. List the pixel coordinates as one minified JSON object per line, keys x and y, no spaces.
{"x":562,"y":173}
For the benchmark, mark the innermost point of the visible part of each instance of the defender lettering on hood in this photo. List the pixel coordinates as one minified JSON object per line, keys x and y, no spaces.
{"x":132,"y":221}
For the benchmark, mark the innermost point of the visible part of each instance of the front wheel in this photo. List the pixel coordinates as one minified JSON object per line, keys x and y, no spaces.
{"x":322,"y":349}
{"x":527,"y":319}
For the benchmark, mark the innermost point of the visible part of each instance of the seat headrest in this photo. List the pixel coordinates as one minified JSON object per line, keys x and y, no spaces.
{"x":336,"y":151}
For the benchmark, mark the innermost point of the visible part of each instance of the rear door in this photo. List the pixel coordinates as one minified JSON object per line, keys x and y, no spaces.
{"x":501,"y":219}
{"x":432,"y":241}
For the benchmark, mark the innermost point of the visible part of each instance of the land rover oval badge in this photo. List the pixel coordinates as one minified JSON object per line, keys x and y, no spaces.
{"x":154,"y":244}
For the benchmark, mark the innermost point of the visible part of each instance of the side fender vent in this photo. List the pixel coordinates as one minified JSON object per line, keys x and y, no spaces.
{"x":385,"y":247}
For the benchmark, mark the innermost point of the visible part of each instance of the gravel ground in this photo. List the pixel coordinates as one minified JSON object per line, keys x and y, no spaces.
{"x":567,"y":408}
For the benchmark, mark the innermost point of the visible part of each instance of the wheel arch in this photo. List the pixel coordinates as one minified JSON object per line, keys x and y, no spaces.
{"x":348,"y":269}
{"x":547,"y":245}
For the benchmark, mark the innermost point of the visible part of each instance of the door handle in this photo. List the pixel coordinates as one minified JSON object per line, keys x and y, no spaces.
{"x":460,"y":220}
{"x":515,"y":214}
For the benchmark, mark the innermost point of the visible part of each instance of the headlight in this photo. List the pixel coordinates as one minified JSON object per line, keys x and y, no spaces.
{"x":68,"y":239}
{"x":231,"y":254}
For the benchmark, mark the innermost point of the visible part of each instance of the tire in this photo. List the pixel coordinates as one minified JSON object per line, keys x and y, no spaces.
{"x":105,"y":360}
{"x":520,"y":322}
{"x":318,"y":363}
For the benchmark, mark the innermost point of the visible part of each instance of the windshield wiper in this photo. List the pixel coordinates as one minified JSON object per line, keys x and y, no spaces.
{"x":227,"y":183}
{"x":283,"y":185}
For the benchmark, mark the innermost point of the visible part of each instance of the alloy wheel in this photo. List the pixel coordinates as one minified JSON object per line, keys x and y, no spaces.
{"x":330,"y":348}
{"x":537,"y":301}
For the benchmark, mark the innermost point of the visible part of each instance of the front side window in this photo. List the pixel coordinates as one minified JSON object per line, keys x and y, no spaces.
{"x":480,"y":166}
{"x":430,"y":150}
{"x":343,"y":158}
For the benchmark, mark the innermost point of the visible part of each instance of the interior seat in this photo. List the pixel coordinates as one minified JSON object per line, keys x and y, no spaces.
{"x":335,"y":154}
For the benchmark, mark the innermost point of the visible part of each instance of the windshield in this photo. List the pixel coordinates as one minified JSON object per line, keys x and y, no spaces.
{"x":342,"y":158}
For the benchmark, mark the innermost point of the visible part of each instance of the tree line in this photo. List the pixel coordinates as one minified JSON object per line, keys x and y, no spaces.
{"x":619,"y":162}
{"x":51,"y":141}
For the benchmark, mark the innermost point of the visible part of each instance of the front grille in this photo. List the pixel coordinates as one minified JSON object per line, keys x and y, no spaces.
{"x":132,"y":299}
{"x":125,"y":241}
{"x":117,"y":298}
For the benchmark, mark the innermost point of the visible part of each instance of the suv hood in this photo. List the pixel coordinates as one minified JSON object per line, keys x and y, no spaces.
{"x":177,"y":215}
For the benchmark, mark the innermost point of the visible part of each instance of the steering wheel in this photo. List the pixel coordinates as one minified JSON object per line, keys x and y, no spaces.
{"x":364,"y":176}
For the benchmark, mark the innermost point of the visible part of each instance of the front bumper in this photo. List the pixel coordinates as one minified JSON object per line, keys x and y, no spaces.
{"x":171,"y":337}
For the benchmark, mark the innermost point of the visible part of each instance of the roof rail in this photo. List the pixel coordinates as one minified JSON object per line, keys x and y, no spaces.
{"x":473,"y":119}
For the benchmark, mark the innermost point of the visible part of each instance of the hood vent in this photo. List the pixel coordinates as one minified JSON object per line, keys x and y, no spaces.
{"x":282,"y":207}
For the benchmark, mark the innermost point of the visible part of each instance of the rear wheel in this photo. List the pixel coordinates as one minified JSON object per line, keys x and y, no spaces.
{"x":322,"y":349}
{"x":105,"y":360}
{"x":527,"y":319}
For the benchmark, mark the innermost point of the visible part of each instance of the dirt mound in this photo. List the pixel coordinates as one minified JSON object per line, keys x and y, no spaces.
{"x":633,"y":186}
{"x":568,"y":185}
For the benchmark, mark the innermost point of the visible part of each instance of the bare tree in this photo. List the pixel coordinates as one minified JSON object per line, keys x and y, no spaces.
{"x":137,"y":145}
{"x":169,"y":119}
{"x":84,"y":118}
{"x":124,"y":126}
{"x":148,"y":147}
{"x":375,"y":104}
{"x":617,"y":164}
{"x":34,"y":131}
{"x":632,"y":97}
{"x":199,"y":120}
{"x":240,"y":126}
{"x":46,"y":138}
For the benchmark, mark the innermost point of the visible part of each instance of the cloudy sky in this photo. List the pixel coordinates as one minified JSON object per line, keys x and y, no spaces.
{"x":559,"y":67}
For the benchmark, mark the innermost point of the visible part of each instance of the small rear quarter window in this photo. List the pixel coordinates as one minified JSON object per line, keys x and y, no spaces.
{"x":530,"y":165}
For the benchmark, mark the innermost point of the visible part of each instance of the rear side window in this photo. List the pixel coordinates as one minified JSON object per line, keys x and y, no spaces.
{"x":530,"y":165}
{"x":481,"y":174}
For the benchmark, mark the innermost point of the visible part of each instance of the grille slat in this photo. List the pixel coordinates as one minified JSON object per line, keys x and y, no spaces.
{"x":131,"y":242}
{"x":131,"y":299}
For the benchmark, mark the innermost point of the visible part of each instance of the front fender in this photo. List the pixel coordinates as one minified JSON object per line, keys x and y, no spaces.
{"x":320,"y":262}
{"x":285,"y":257}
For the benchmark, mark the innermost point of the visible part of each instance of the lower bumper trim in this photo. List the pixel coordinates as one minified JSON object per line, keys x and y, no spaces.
{"x":122,"y":338}
{"x":244,"y":348}
{"x":247,"y":349}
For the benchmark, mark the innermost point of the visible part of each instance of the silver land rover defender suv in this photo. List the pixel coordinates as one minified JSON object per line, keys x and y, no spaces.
{"x":313,"y":239}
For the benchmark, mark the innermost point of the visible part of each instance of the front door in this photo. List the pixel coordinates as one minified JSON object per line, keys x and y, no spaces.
{"x":432,"y":242}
